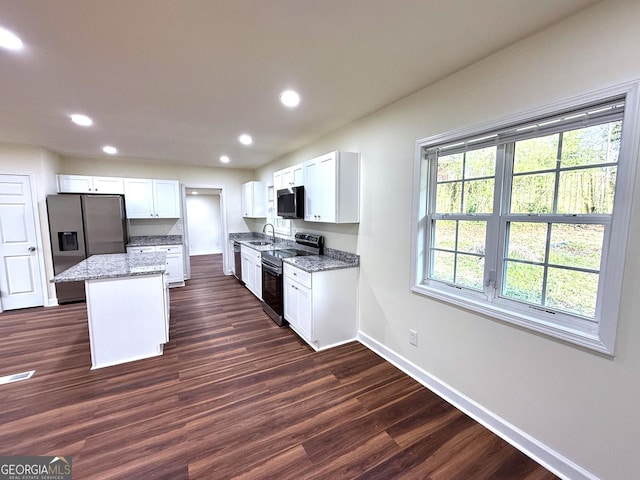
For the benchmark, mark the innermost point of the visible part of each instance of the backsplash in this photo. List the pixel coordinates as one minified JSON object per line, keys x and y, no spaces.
{"x":165,"y":226}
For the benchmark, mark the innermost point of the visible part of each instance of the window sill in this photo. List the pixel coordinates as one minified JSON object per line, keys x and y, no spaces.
{"x":586,"y":338}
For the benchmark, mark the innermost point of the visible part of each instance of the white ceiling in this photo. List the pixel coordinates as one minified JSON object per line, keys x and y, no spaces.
{"x":179,"y":80}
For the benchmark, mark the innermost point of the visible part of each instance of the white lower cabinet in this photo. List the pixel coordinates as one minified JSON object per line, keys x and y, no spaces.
{"x":252,"y":270}
{"x":175,"y":261}
{"x":321,"y":306}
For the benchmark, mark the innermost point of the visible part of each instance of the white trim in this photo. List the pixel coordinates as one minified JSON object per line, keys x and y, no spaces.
{"x":533,"y":448}
{"x":602,"y":337}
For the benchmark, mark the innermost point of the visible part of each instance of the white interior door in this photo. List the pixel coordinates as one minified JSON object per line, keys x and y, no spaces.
{"x":20,"y":285}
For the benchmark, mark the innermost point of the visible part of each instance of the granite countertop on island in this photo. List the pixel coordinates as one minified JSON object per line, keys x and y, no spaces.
{"x":98,"y":267}
{"x":153,"y":240}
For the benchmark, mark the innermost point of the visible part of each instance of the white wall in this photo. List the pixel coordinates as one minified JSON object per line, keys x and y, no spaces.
{"x":581,"y":404}
{"x":203,"y":224}
{"x":42,"y":164}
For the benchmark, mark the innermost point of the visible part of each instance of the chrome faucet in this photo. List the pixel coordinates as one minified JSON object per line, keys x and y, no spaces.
{"x":273,"y":231}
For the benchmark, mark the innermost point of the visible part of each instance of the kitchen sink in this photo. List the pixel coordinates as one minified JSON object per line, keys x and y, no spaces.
{"x":260,"y":243}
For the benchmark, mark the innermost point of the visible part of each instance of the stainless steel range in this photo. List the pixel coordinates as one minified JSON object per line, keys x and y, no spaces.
{"x":272,"y":294}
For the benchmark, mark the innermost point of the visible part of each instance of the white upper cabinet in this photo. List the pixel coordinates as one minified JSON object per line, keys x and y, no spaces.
{"x":332,"y":188}
{"x":166,"y":198}
{"x":293,"y":176}
{"x":288,"y":177}
{"x":254,"y":200}
{"x":88,"y":184}
{"x":145,"y":198}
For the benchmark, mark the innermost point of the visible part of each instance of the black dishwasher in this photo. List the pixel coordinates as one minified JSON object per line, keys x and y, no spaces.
{"x":237,"y":258}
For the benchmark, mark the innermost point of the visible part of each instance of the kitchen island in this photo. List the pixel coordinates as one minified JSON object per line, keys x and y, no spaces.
{"x":127,"y":305}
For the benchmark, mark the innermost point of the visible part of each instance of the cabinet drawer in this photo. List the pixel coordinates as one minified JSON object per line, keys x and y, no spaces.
{"x":141,"y":249}
{"x":169,"y":249}
{"x":297,"y":275}
{"x":251,"y":253}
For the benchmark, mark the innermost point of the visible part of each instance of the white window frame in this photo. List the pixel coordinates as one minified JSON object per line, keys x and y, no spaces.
{"x":599,"y":335}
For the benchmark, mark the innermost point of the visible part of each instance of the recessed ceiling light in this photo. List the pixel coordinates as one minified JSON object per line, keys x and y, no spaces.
{"x":81,"y":120}
{"x":109,"y":149}
{"x":245,"y":139}
{"x":225,"y":159}
{"x":194,"y":193}
{"x":10,"y":40}
{"x":290,"y":98}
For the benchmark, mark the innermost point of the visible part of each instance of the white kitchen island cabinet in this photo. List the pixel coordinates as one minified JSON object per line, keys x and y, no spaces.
{"x":127,"y":305}
{"x":321,"y":306}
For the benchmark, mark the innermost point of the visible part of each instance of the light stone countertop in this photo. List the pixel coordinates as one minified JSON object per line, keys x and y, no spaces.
{"x":319,"y":263}
{"x":331,"y":260}
{"x":114,"y":265}
{"x":152,"y":240}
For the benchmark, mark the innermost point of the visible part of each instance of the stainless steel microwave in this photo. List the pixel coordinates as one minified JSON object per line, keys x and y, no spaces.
{"x":291,"y":202}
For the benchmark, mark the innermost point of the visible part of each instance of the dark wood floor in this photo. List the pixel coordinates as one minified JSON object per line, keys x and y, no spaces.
{"x":233,"y":396}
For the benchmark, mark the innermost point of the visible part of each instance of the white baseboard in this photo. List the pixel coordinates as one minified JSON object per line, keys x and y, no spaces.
{"x":541,"y":453}
{"x":195,"y":253}
{"x":52,"y":302}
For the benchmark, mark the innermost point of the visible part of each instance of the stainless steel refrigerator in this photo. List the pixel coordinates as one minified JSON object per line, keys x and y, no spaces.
{"x":81,"y":226}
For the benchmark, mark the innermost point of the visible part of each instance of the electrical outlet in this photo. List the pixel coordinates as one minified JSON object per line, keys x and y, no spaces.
{"x":413,"y":338}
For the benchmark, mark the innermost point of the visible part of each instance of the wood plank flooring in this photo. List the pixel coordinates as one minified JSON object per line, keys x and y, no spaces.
{"x":233,"y":396}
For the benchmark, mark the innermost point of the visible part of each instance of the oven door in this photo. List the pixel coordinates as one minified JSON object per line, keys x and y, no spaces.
{"x":272,"y":292}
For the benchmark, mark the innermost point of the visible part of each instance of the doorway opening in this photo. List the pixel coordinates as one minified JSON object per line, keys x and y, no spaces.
{"x":205,"y":223}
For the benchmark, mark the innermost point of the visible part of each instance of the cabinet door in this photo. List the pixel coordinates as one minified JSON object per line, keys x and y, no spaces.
{"x":297,"y":308}
{"x":247,"y":272}
{"x":298,"y":175}
{"x":247,"y":200}
{"x":138,"y":197}
{"x":112,"y":185}
{"x":75,"y":184}
{"x":174,"y":267}
{"x":254,"y":199}
{"x":290,"y":302}
{"x":312,"y":191}
{"x":277,"y":183}
{"x":328,"y":182}
{"x":175,"y":264}
{"x":257,"y":267}
{"x":166,"y":198}
{"x":287,"y":177}
{"x":305,"y":314}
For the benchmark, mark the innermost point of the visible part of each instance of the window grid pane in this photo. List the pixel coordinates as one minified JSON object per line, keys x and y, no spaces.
{"x":457,"y":252}
{"x":540,"y":256}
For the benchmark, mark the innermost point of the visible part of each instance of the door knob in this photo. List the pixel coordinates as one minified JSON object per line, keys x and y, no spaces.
{"x":32,"y":249}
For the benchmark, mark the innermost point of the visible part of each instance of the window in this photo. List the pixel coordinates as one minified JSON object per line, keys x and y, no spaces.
{"x":527,"y":221}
